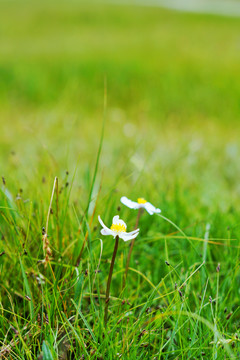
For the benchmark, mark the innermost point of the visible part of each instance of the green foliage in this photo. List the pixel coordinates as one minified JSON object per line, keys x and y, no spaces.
{"x":46,"y":352}
{"x":171,"y":135}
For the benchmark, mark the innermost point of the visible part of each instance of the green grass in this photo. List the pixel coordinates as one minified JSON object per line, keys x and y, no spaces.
{"x":171,"y":135}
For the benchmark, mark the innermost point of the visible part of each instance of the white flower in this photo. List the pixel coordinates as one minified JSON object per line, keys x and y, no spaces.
{"x":141,"y":203}
{"x":118,"y":228}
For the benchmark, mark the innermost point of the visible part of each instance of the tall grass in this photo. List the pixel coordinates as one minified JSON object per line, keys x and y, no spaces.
{"x":171,"y":135}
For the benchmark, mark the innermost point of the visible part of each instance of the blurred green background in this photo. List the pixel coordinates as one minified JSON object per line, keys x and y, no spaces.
{"x":173,"y":98}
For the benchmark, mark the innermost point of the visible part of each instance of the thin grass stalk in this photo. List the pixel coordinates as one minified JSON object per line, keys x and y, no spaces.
{"x":87,"y":233}
{"x":46,"y":246}
{"x":57,"y":215}
{"x":109,"y":281}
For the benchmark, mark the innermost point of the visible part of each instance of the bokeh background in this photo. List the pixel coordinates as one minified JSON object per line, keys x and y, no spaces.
{"x":173,"y":99}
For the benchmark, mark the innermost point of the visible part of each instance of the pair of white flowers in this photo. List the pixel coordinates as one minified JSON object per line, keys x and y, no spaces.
{"x":119,"y":227}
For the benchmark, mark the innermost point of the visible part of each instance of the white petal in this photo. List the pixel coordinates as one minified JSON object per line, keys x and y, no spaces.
{"x":151,"y":209}
{"x":115,"y":219}
{"x":106,"y":231}
{"x":121,"y":222}
{"x":129,"y":203}
{"x":114,"y":233}
{"x":102,"y":223}
{"x":133,"y":232}
{"x":127,"y":236}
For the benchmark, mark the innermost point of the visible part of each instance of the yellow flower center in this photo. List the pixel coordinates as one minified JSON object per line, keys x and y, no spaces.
{"x":118,"y":227}
{"x":141,"y":201}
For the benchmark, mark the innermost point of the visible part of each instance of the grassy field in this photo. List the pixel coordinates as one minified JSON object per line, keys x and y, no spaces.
{"x":113,"y":101}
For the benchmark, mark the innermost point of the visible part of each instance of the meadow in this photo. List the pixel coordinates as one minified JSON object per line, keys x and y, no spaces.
{"x":99,"y":102}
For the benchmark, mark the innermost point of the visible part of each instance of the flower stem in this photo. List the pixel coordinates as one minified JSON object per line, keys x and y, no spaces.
{"x":109,"y":280}
{"x":130,"y":251}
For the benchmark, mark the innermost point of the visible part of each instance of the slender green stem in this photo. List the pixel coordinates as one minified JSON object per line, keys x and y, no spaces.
{"x":109,"y":280}
{"x":57,"y":216}
{"x":81,"y":251}
{"x":130,"y":250}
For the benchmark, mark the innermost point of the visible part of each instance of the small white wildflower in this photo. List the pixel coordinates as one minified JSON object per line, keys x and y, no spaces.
{"x":118,"y":228}
{"x":141,"y":203}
